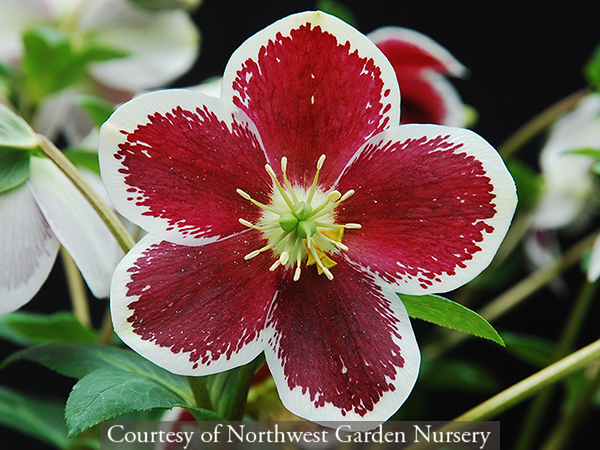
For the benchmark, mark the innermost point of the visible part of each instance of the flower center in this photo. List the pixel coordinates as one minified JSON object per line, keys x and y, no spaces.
{"x":299,"y":223}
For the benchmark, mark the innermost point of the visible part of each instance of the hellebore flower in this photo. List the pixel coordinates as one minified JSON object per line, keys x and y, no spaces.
{"x":35,"y":218}
{"x":154,"y":48}
{"x":421,"y":66}
{"x":284,"y":216}
{"x":570,"y":184}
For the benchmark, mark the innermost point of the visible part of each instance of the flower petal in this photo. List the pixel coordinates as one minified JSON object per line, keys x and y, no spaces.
{"x":434,"y":203}
{"x":411,"y":51}
{"x":312,"y":85}
{"x":594,"y":267}
{"x":430,"y":98}
{"x":29,"y":249}
{"x":172,"y":164}
{"x":162,"y":45}
{"x":341,"y":349}
{"x":76,"y":225}
{"x":193,"y":310}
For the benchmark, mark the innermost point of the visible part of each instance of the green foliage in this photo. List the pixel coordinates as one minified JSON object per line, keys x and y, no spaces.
{"x":14,"y":168}
{"x":112,"y":382}
{"x":83,"y":158}
{"x":53,"y":62}
{"x":337,"y":9}
{"x":591,"y":70}
{"x":38,"y":418}
{"x":529,"y":183}
{"x":108,"y":393}
{"x":25,"y":328}
{"x":530,"y":349}
{"x":15,"y":133}
{"x":446,"y":313}
{"x":441,"y":373}
{"x":97,"y":109}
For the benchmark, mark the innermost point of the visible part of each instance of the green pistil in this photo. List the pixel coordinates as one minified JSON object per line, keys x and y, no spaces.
{"x":297,"y":219}
{"x":308,"y":230}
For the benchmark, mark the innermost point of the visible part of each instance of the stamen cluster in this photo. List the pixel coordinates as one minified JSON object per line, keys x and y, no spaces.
{"x":299,"y":223}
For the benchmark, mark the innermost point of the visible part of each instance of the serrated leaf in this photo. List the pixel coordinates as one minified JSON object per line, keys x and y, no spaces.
{"x":531,"y":349}
{"x":33,"y":416}
{"x":79,"y":360}
{"x":14,"y":168}
{"x":108,"y":393}
{"x":15,"y":133}
{"x":97,"y":109}
{"x":444,"y":312}
{"x":25,"y":328}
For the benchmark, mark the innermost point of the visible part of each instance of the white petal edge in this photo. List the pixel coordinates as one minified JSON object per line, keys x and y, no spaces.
{"x":178,"y":363}
{"x":127,"y":118}
{"x":455,"y":109}
{"x":28,"y":249}
{"x":594,"y":268}
{"x":301,"y":405}
{"x":453,"y":66}
{"x":76,"y":225}
{"x":251,"y":48}
{"x":503,"y":188}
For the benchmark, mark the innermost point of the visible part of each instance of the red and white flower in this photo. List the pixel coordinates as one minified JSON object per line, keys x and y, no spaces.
{"x":422,"y":67}
{"x":284,"y":217}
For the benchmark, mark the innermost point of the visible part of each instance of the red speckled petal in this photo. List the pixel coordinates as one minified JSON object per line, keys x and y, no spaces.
{"x":312,"y":85}
{"x":434,"y":203}
{"x":341,"y":349}
{"x":193,"y":310}
{"x":172,"y":161}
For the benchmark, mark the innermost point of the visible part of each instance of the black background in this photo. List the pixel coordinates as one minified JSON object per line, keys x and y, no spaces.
{"x":523,"y":56}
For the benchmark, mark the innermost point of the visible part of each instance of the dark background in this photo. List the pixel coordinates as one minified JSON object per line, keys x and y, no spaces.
{"x":523,"y":56}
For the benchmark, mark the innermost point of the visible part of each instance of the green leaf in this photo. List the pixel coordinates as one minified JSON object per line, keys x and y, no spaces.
{"x":52,"y":62}
{"x":591,"y":152}
{"x":591,"y":69}
{"x":529,"y":183}
{"x":14,"y":168}
{"x":36,"y":417}
{"x":79,"y":360}
{"x":83,"y":158}
{"x":97,"y":109}
{"x":338,"y":10}
{"x":108,"y":393}
{"x":444,"y":312}
{"x":15,"y":133}
{"x":531,"y":349}
{"x":456,"y":374}
{"x":25,"y":328}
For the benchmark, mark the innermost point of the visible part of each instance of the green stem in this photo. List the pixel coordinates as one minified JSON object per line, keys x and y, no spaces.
{"x":561,"y":434}
{"x":111,"y":220}
{"x":537,"y":124}
{"x":533,"y":384}
{"x":226,"y":393}
{"x":521,"y":291}
{"x":77,"y":290}
{"x":567,"y":339}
